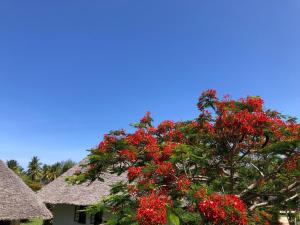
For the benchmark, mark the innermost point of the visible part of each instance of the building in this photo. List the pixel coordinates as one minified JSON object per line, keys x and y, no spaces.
{"x":66,"y":200}
{"x":17,"y":200}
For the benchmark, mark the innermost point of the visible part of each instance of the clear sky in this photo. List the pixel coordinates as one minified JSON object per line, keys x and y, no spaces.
{"x":71,"y":70}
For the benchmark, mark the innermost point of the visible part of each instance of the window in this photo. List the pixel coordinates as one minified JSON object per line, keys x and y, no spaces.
{"x":79,"y":216}
{"x":96,"y":219}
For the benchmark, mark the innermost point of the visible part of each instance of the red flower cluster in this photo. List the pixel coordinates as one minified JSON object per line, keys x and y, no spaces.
{"x":294,"y":129}
{"x":128,"y":154}
{"x":152,"y":210}
{"x":140,"y":137}
{"x":210,"y":92}
{"x":107,"y":141}
{"x":165,"y":126}
{"x":183,"y":183}
{"x":168,"y":130}
{"x":242,"y":118}
{"x":292,"y":163}
{"x":168,"y":148}
{"x":201,"y":193}
{"x":242,"y":122}
{"x":209,"y":95}
{"x":153,"y":152}
{"x":255,"y":103}
{"x":146,"y":119}
{"x":147,"y":182}
{"x":224,"y":209}
{"x":133,"y":172}
{"x":165,"y":169}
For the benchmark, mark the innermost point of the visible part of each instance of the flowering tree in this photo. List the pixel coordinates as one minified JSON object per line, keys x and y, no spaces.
{"x":237,"y":163}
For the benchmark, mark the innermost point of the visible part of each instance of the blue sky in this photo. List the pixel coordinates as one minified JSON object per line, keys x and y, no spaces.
{"x":72,"y":70}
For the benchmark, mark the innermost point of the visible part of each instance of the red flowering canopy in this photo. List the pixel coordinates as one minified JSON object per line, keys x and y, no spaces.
{"x":237,"y":163}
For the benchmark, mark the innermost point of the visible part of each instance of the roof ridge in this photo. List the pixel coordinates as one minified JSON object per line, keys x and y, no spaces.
{"x":17,"y":200}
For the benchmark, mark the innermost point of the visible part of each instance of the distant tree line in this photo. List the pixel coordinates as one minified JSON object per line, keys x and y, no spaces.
{"x":38,"y":174}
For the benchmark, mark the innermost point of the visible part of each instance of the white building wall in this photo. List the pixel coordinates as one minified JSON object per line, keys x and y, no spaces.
{"x":64,"y":215}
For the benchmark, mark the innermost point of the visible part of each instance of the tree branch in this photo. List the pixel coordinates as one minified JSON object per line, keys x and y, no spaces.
{"x":251,"y":208}
{"x":291,"y":198}
{"x":291,"y":186}
{"x":256,"y":183}
{"x":261,"y":173}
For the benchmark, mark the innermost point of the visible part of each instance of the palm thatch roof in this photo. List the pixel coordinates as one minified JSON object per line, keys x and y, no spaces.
{"x":17,"y":200}
{"x":61,"y":192}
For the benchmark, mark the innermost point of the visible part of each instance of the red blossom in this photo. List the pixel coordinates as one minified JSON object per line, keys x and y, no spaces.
{"x":152,"y":130}
{"x":140,"y":137}
{"x":165,"y":169}
{"x":201,"y":193}
{"x":256,"y":103}
{"x":209,"y":128}
{"x":106,"y":143}
{"x":168,"y":148}
{"x":133,"y":172}
{"x":175,"y":135}
{"x":183,"y":183}
{"x":146,"y":119}
{"x":165,"y":126}
{"x":128,"y":154}
{"x":153,"y":152}
{"x":209,"y":94}
{"x":292,"y":163}
{"x":147,"y":182}
{"x":194,"y":124}
{"x":243,"y":122}
{"x":224,"y":209}
{"x":152,"y":210}
{"x":136,"y":138}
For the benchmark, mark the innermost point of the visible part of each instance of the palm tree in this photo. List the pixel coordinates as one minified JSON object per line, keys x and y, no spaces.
{"x":66,"y":165}
{"x":34,"y":168}
{"x":14,"y":166}
{"x":46,"y":173}
{"x":51,"y":172}
{"x":56,"y":170}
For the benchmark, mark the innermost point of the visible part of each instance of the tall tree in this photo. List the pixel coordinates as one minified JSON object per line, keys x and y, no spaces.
{"x":237,"y":163}
{"x":66,"y":165}
{"x":51,"y":172}
{"x":34,"y":168}
{"x":46,"y":174}
{"x":14,"y":165}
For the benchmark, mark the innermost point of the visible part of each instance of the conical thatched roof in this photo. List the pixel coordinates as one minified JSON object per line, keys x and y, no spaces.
{"x":17,"y":200}
{"x":61,"y":192}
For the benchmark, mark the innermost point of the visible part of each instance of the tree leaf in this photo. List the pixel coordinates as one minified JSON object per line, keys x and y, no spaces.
{"x":173,"y":219}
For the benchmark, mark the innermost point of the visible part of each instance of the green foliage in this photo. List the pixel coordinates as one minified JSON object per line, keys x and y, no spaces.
{"x":33,"y":222}
{"x":34,"y":168}
{"x":37,"y":174}
{"x":14,"y":165}
{"x":173,"y":219}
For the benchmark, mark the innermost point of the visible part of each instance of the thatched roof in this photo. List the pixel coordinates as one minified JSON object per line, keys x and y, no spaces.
{"x":61,"y":192}
{"x":17,"y":200}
